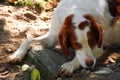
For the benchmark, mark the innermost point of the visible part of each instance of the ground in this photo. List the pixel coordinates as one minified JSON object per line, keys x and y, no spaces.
{"x":18,"y":23}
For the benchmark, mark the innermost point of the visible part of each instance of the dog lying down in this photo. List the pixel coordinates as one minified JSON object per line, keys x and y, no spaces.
{"x":83,"y":25}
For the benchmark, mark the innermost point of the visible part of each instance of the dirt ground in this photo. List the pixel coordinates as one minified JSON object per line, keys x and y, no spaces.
{"x":17,"y":24}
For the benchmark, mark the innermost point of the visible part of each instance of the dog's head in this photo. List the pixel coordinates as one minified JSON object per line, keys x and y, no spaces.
{"x":85,"y":38}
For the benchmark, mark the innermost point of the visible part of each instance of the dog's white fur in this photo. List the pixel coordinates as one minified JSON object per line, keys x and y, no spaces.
{"x":98,"y":9}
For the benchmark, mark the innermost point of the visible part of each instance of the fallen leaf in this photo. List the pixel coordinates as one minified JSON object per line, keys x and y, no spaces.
{"x":101,"y":72}
{"x":104,"y":70}
{"x":35,"y":75}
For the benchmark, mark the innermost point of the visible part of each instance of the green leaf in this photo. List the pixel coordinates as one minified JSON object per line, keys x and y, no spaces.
{"x":35,"y":75}
{"x":101,"y":72}
{"x":104,"y":70}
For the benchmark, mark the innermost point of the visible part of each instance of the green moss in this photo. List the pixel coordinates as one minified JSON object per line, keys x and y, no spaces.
{"x":24,"y":2}
{"x":30,"y":2}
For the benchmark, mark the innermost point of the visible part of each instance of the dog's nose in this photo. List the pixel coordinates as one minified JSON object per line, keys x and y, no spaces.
{"x":89,"y":62}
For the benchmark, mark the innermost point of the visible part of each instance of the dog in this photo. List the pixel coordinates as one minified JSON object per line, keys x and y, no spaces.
{"x":83,"y":25}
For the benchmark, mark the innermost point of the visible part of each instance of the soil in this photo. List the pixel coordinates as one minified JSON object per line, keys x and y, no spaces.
{"x":18,"y":23}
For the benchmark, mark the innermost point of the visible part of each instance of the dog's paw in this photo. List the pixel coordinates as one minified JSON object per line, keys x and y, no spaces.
{"x":66,"y":69}
{"x":14,"y":58}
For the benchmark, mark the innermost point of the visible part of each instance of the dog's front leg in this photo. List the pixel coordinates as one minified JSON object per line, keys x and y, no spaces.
{"x":19,"y":54}
{"x":21,"y":51}
{"x":68,"y":68}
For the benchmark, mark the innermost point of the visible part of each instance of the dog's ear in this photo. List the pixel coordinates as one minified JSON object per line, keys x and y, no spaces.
{"x":96,"y":29}
{"x":65,"y":34}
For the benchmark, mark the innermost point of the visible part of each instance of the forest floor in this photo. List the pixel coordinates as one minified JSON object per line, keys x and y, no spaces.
{"x":17,"y":24}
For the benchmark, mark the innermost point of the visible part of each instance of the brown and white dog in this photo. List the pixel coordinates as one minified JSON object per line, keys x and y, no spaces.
{"x":84,"y":25}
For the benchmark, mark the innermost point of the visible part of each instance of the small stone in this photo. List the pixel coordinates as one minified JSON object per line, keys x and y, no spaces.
{"x":25,"y":67}
{"x":2,"y":23}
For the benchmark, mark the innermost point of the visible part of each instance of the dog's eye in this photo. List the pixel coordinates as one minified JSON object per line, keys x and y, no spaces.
{"x":91,"y":43}
{"x":91,"y":40}
{"x":77,"y":45}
